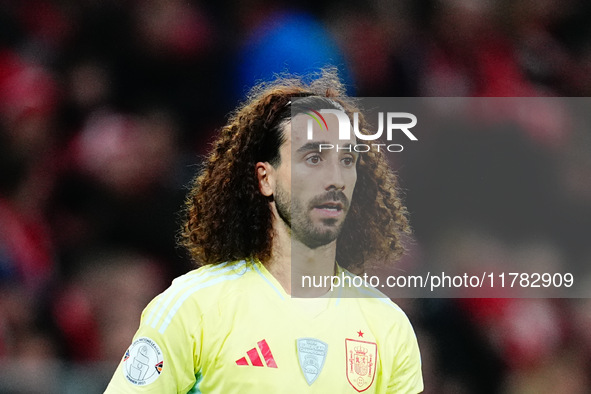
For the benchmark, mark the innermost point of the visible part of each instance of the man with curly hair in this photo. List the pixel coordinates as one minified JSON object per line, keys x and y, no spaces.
{"x":270,"y":208}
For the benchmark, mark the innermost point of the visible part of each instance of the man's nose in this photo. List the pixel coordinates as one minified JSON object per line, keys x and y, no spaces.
{"x":334,"y":177}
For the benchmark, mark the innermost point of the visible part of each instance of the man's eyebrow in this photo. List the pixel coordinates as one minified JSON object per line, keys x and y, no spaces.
{"x":315,"y":147}
{"x":312,"y":146}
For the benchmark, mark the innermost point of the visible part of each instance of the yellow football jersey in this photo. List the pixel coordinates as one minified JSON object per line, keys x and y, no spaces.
{"x":231,"y":328}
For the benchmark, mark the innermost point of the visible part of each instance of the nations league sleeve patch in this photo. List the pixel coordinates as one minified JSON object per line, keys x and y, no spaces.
{"x":143,"y":362}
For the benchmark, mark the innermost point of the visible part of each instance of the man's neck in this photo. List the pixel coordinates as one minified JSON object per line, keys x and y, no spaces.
{"x":291,"y":261}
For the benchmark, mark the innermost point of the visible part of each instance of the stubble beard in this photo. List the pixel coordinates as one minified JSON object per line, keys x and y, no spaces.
{"x":296,"y":217}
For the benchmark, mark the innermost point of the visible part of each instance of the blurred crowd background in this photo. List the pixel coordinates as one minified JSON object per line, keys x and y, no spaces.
{"x":108,"y":106}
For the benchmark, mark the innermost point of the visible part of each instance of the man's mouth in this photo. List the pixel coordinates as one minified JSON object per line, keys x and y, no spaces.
{"x":333,"y":209}
{"x":330,"y":206}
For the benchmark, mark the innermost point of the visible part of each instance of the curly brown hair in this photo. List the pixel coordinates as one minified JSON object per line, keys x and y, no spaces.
{"x":226,"y":216}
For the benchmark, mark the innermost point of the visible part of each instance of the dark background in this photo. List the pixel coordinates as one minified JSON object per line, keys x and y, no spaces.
{"x":107,"y":108}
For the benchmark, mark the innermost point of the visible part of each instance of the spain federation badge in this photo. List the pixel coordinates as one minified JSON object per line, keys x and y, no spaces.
{"x":361,"y":363}
{"x":311,"y":354}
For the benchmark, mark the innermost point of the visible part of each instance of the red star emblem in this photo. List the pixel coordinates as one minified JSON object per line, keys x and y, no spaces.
{"x":360,"y":333}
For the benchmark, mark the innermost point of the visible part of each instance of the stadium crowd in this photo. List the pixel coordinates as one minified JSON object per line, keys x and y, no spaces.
{"x":107,"y":106}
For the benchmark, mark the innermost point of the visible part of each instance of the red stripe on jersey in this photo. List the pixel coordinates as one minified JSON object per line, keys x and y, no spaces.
{"x":267,"y":355}
{"x":253,"y":354}
{"x":242,"y":361}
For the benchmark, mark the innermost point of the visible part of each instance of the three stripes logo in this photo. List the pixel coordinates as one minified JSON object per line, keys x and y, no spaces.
{"x":255,"y":357}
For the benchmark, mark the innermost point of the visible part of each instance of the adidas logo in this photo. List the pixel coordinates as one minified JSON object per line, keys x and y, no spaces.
{"x":255,"y":357}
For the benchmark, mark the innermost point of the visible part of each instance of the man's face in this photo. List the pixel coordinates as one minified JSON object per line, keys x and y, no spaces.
{"x":315,"y":186}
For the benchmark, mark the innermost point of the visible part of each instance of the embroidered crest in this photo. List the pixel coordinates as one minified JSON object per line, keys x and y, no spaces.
{"x":311,"y":354}
{"x":361,"y":363}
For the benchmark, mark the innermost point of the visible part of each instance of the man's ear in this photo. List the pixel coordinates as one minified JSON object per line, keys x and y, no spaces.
{"x":266,"y":176}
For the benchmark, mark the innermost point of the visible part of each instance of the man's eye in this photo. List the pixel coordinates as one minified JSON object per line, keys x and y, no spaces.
{"x":348,"y":161}
{"x":313,"y":159}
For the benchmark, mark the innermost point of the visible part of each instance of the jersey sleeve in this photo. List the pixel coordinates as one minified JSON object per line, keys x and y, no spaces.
{"x":407,"y":376}
{"x":164,"y":356}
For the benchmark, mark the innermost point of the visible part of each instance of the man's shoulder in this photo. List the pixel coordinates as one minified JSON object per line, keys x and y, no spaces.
{"x":214,"y":273}
{"x":207,"y":281}
{"x":196,"y":292}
